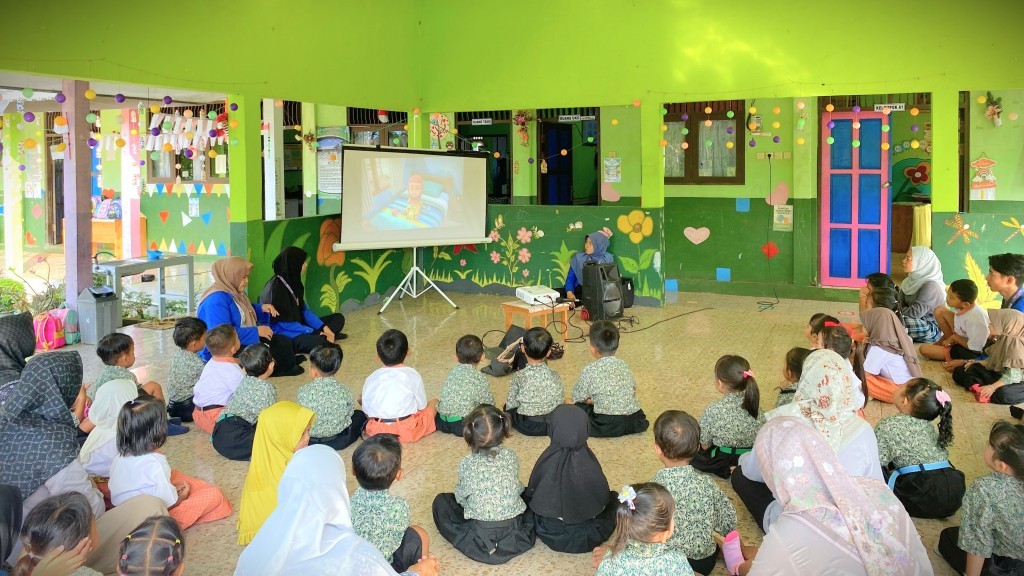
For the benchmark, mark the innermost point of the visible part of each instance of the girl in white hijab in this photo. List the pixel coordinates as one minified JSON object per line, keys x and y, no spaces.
{"x":921,"y":293}
{"x":310,"y":532}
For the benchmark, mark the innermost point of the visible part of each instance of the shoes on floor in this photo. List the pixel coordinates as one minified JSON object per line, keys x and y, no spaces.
{"x":176,"y":429}
{"x":293,"y":372}
{"x":340,"y":336}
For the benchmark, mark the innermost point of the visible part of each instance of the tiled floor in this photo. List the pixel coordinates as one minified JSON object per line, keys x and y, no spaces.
{"x":673,"y":362}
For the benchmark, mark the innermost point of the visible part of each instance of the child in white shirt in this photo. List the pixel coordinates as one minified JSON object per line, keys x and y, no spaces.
{"x":965,"y":328}
{"x":219,"y":379}
{"x":393,"y":398}
{"x":140,"y":469}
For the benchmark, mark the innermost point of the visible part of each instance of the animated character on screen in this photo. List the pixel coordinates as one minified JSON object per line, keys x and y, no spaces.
{"x":415,"y":190}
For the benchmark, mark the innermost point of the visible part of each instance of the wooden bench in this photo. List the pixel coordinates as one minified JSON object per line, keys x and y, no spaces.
{"x":542,"y":311}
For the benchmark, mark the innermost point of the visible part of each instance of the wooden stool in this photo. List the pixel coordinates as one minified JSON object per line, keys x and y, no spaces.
{"x":541,"y":311}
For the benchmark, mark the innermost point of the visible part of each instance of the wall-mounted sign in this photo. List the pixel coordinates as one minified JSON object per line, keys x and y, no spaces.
{"x":570,"y":118}
{"x":481,"y":121}
{"x":893,"y":106}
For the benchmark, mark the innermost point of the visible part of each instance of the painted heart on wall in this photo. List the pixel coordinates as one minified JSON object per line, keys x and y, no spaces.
{"x":609,"y":193}
{"x":696,"y":235}
{"x":779,"y":196}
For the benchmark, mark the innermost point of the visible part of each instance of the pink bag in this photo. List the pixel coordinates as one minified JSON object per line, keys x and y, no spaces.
{"x":68,"y":319}
{"x":49,"y":331}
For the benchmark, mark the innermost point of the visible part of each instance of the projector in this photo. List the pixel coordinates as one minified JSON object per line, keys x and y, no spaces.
{"x":537,"y":295}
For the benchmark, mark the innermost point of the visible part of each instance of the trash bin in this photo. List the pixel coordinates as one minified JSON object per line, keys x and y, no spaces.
{"x":98,"y":313}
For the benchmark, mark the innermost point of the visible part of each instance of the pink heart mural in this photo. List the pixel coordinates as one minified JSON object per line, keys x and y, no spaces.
{"x":37,"y":211}
{"x":696,"y":235}
{"x":779,"y":196}
{"x":609,"y":193}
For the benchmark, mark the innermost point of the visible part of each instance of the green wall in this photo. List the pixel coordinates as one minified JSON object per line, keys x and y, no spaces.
{"x":36,"y":160}
{"x":1004,"y":144}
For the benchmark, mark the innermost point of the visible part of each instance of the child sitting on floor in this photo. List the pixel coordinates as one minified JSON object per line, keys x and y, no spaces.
{"x":643,"y":525}
{"x":606,"y":389}
{"x":988,"y":540}
{"x":100,"y":447}
{"x":465,"y":388}
{"x":186,"y":366}
{"x":915,"y":457}
{"x":791,"y":372}
{"x":338,"y":424}
{"x":536,"y":389}
{"x":219,"y":379}
{"x":814,"y":327}
{"x":155,"y":548}
{"x":61,"y":525}
{"x":377,"y":515}
{"x":117,"y":352}
{"x":964,"y":329}
{"x":235,"y":430}
{"x":1000,"y":377}
{"x":836,"y":337}
{"x":484,"y":519}
{"x":701,"y":509}
{"x":393,"y":398}
{"x":728,"y":426}
{"x":140,"y":469}
{"x":568,"y":493}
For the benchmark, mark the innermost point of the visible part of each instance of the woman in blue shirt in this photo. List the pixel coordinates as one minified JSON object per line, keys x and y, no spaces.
{"x":225,"y":302}
{"x":285,"y":292}
{"x":595,"y":249}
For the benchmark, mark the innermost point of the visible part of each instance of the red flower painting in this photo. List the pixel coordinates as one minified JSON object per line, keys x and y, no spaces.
{"x":917,"y":174}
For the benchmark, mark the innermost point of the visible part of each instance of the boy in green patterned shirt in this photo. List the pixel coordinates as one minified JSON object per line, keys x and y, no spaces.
{"x":117,"y":352}
{"x":382,"y":519}
{"x":465,"y":388}
{"x":536,"y":389}
{"x":186,"y":366}
{"x":235,"y":430}
{"x":701,"y":507}
{"x":337,"y":424}
{"x":606,"y":389}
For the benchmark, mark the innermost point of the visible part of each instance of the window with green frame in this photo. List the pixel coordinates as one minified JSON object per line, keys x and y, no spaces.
{"x":704,"y":142}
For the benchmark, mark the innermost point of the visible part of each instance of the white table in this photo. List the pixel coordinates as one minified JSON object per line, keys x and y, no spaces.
{"x":120,"y":268}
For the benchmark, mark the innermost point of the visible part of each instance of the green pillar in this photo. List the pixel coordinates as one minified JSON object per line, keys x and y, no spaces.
{"x":245,"y":155}
{"x":945,"y":150}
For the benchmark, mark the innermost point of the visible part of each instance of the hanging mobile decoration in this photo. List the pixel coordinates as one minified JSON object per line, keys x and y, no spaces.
{"x":520,"y":119}
{"x":994,"y":109}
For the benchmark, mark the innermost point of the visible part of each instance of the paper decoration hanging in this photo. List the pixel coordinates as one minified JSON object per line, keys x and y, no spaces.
{"x":983,"y":184}
{"x":520,"y":119}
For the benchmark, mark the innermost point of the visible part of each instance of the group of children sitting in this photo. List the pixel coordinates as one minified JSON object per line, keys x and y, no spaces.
{"x":675,"y":522}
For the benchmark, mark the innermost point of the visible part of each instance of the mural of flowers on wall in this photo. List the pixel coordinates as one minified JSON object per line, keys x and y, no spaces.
{"x":523,"y":251}
{"x":638,"y":226}
{"x":330,"y":232}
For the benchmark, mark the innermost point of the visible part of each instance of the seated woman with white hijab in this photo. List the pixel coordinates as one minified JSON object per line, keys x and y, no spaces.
{"x":310,"y":531}
{"x":832,"y":522}
{"x":825,"y":398}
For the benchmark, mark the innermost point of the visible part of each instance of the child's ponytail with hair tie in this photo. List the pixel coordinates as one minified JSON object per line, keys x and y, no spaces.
{"x":945,"y":417}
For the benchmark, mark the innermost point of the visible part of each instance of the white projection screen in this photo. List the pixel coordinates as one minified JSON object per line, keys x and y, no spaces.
{"x":394,"y":198}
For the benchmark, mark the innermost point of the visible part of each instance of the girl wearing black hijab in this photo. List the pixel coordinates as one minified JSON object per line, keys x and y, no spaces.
{"x":286,"y":293}
{"x":568,"y":492}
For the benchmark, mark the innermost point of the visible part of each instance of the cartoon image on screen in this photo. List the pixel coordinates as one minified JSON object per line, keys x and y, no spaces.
{"x":403,"y":194}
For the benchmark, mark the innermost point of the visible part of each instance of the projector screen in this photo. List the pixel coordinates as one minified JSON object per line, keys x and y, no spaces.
{"x":396,"y":198}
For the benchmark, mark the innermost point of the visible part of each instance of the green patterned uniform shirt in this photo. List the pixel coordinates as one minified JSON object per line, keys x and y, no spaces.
{"x":488,"y":487}
{"x":250,"y":398}
{"x":535,"y":390}
{"x":726,"y":423}
{"x":992,"y":517}
{"x":905,"y":441}
{"x":380,"y":518}
{"x":645,"y":559}
{"x":186,"y":368}
{"x":111,"y":373}
{"x":463,"y":390}
{"x":333,"y":404}
{"x":701,"y":508}
{"x":609,"y":383}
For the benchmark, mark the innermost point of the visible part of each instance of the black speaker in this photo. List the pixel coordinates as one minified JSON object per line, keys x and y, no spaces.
{"x":628,"y":294}
{"x":602,"y":290}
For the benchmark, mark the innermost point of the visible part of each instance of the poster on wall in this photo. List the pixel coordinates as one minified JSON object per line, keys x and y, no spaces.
{"x":782,"y":221}
{"x":328,"y":172}
{"x":613,"y":170}
{"x":983,"y":184}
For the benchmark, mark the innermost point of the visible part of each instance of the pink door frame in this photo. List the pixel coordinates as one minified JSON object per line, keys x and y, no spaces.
{"x":825,"y":225}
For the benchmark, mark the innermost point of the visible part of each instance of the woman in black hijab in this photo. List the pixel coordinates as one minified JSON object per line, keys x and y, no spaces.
{"x":17,"y":342}
{"x":287,"y":294}
{"x":568,"y":491}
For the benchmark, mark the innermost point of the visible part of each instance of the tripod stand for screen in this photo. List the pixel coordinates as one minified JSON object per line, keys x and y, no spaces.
{"x":408,"y":285}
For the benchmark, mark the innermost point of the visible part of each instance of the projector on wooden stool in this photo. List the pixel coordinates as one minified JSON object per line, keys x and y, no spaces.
{"x":537,"y":295}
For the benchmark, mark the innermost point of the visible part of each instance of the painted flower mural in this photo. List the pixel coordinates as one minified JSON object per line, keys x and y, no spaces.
{"x":637,"y":224}
{"x":917,"y":174}
{"x":330,"y":233}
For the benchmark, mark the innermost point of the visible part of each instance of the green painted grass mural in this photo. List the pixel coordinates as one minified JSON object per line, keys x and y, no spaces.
{"x":533,"y":245}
